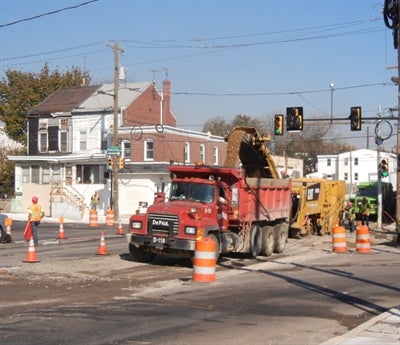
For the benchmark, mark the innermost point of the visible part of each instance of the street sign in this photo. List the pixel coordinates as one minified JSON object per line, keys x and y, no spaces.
{"x":114,"y":151}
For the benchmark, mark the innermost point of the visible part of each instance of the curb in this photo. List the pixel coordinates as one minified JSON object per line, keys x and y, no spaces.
{"x":395,"y":311}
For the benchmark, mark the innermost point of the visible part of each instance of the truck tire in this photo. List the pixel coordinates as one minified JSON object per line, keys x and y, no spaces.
{"x":140,"y":254}
{"x":255,"y":240}
{"x":281,"y":236}
{"x":217,"y":248}
{"x":268,"y":240}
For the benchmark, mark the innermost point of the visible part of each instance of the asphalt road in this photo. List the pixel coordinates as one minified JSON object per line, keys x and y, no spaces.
{"x":73,"y":296}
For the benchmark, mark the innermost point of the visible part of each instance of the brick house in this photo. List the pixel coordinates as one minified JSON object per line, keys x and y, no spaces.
{"x":68,"y":137}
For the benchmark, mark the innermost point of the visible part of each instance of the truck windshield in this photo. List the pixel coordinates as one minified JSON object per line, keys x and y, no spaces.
{"x":192,"y":191}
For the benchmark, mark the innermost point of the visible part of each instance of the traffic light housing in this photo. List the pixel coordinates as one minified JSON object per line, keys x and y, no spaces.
{"x":294,"y":119}
{"x":384,"y":167}
{"x":110,"y":164}
{"x":278,"y":124}
{"x":355,"y":118}
{"x":121,"y":163}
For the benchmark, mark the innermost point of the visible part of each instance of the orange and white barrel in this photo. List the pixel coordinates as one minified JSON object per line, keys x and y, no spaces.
{"x":339,"y":244}
{"x":204,"y":262}
{"x":93,"y":218}
{"x":110,"y":217}
{"x":363,"y":243}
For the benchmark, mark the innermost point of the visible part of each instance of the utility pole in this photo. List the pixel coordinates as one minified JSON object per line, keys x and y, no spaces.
{"x":398,"y":130}
{"x":115,"y":180}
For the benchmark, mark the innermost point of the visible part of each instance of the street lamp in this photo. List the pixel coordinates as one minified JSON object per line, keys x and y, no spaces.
{"x":332,"y":87}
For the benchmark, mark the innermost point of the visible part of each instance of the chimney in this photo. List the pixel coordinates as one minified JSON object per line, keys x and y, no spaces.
{"x":166,"y":101}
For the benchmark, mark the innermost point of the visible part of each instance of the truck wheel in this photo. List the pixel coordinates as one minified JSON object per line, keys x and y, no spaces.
{"x":217,"y":249}
{"x":140,"y":254}
{"x":281,"y":236}
{"x":255,"y":240}
{"x":268,"y":242}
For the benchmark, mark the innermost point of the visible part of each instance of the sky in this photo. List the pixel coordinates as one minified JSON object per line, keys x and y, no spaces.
{"x":223,"y":58}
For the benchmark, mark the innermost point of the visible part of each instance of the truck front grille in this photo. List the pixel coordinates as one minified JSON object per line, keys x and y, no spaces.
{"x":163,"y":225}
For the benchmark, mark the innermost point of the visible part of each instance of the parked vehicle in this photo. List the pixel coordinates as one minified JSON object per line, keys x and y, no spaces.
{"x":240,"y":206}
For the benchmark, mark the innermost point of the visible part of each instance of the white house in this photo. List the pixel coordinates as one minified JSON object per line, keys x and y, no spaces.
{"x":357,"y":166}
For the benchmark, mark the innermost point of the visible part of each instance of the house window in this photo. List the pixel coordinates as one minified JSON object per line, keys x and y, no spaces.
{"x":35,"y":174}
{"x":346,"y":177}
{"x":126,"y":150}
{"x":187,"y":152}
{"x":82,"y":140}
{"x":45,"y":174}
{"x":355,"y":176}
{"x":346,"y":161}
{"x":88,"y":174}
{"x":202,"y":153}
{"x":328,"y":162}
{"x":215,"y":155}
{"x":25,"y":174}
{"x":105,"y":140}
{"x":64,"y":141}
{"x":149,"y":150}
{"x":42,"y":141}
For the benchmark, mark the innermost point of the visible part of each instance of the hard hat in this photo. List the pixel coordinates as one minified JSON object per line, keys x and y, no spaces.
{"x":35,"y":199}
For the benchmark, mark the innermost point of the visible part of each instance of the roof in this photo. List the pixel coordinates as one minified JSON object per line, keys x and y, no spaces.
{"x":103,"y":98}
{"x":64,"y":100}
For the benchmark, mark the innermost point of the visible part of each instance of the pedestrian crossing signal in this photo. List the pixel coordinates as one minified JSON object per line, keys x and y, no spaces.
{"x":278,"y":127}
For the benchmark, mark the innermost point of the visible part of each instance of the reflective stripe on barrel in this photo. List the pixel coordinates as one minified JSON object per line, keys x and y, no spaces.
{"x":204,"y":261}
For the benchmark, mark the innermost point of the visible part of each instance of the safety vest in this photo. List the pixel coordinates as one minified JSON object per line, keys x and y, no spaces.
{"x":364,"y":208}
{"x":36,"y":212}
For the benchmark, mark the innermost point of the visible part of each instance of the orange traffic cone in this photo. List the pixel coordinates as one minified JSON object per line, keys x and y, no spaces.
{"x":120,"y":229}
{"x":31,"y":255}
{"x":61,"y":233}
{"x":8,"y":223}
{"x":102,"y":247}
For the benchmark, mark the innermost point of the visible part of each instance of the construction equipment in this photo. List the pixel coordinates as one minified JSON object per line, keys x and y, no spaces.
{"x":317,"y":206}
{"x":243,"y":206}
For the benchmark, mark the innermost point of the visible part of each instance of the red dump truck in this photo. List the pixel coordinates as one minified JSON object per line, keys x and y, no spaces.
{"x":242,"y":210}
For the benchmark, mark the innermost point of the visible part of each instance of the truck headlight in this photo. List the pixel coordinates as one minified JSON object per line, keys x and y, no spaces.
{"x":136,"y":225}
{"x":190,"y":230}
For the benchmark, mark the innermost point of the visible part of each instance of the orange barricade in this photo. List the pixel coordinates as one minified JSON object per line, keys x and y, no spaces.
{"x":110,"y":217}
{"x":93,"y":218}
{"x":339,"y":244}
{"x":204,"y":261}
{"x":362,"y":239}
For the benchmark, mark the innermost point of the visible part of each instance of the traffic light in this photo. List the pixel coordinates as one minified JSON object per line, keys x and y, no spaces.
{"x":294,"y":119}
{"x":110,"y":164}
{"x":278,"y":124}
{"x":121,"y":163}
{"x":384,"y":167}
{"x":355,"y":118}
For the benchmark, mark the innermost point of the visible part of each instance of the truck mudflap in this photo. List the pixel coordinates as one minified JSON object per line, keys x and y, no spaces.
{"x":161,"y":243}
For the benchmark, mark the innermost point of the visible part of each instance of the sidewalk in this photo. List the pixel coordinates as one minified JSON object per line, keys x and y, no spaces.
{"x":383,"y":329}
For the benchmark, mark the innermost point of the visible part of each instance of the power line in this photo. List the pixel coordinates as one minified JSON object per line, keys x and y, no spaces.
{"x":47,"y":14}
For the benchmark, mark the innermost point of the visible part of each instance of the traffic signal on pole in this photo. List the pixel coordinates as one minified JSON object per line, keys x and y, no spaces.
{"x":384,"y":167}
{"x":110,"y":164}
{"x":294,"y":119}
{"x":278,"y":124}
{"x":355,"y":118}
{"x":121,"y":163}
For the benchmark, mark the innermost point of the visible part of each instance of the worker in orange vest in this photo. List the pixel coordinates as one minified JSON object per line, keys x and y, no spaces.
{"x":35,"y":215}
